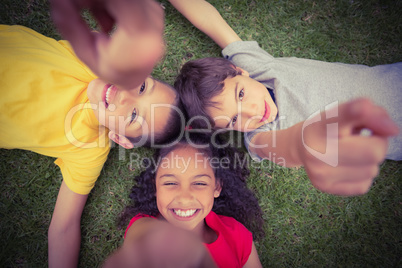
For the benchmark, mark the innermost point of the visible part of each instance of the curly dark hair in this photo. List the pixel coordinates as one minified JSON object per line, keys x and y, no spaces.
{"x":235,"y":200}
{"x":198,"y":82}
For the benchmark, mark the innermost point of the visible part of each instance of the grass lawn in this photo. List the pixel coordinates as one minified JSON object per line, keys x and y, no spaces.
{"x":303,"y":226}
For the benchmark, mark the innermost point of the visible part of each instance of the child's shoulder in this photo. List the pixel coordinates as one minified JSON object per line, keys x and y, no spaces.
{"x":232,"y":237}
{"x":219,"y":222}
{"x":135,"y":219}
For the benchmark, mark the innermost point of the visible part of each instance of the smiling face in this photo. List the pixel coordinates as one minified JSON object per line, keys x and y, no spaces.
{"x":132,"y":113}
{"x":244,"y":104}
{"x":186,"y":188}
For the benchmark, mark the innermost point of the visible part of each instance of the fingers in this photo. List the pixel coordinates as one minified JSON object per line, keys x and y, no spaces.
{"x":138,"y":15}
{"x":362,"y":113}
{"x":358,"y":164}
{"x":128,"y":56}
{"x":352,"y":188}
{"x":126,"y":60}
{"x":345,"y":180}
{"x":175,"y":247}
{"x":104,"y":19}
{"x":67,"y":18}
{"x":348,"y":164}
{"x":360,"y":150}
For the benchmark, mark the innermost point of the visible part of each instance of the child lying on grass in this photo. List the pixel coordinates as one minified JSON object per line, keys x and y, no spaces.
{"x":198,"y":187}
{"x":277,"y":101}
{"x":52,"y":104}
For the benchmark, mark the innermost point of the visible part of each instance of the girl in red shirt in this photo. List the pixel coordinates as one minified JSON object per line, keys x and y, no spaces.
{"x":192,"y":205}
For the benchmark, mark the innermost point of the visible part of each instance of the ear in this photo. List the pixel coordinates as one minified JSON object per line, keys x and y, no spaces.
{"x":120,"y":139}
{"x":242,"y":71}
{"x":218,"y":190}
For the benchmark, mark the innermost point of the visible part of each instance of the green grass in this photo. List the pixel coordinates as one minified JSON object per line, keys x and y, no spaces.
{"x":304,"y":228}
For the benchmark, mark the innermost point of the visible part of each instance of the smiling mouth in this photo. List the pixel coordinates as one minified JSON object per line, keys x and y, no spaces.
{"x":106,"y":94}
{"x":185,"y":213}
{"x":266,"y":113}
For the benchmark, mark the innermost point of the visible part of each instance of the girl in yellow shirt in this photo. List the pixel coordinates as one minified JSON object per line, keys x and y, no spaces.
{"x":53,"y":104}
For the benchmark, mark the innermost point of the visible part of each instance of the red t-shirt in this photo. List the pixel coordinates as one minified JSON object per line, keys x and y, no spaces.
{"x":233,"y":245}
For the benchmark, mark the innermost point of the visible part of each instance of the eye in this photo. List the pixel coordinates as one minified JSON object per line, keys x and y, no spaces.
{"x":169,"y":183}
{"x":142,"y":89}
{"x":133,"y":116}
{"x":241,"y":94}
{"x":234,"y":120}
{"x":200,"y":183}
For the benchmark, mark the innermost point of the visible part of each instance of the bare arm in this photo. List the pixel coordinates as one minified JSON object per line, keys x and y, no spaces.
{"x":253,"y":260}
{"x":337,"y":159}
{"x":64,"y":235}
{"x":279,"y":146}
{"x":207,"y":19}
{"x":154,"y":243}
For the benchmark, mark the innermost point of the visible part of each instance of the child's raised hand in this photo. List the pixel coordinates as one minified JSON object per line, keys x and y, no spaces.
{"x":170,"y":246}
{"x":160,"y":244}
{"x":342,"y":148}
{"x":128,"y":56}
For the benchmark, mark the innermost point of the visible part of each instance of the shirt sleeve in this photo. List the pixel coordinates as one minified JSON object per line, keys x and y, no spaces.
{"x":234,"y":241}
{"x":247,"y":243}
{"x":249,"y":56}
{"x":249,"y":136}
{"x":81,"y":170}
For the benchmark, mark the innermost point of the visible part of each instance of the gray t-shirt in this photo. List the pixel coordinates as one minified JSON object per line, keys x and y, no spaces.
{"x":303,"y":87}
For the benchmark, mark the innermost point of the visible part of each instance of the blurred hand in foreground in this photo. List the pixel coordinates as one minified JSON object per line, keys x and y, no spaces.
{"x":160,"y":245}
{"x":342,"y":148}
{"x":124,"y":58}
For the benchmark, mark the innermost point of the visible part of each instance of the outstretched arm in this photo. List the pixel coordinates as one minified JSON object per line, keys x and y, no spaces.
{"x":337,"y":158}
{"x":253,"y":260}
{"x":154,"y":243}
{"x":207,"y":19}
{"x":124,"y":58}
{"x":64,"y":235}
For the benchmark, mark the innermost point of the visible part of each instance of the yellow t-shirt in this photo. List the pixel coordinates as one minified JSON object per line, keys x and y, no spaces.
{"x":44,"y":106}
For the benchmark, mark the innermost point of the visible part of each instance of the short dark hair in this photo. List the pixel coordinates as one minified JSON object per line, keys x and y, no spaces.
{"x":198,"y":82}
{"x":174,"y":125}
{"x":236,"y":200}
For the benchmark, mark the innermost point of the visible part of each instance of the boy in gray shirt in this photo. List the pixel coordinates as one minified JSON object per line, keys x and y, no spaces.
{"x":251,"y":91}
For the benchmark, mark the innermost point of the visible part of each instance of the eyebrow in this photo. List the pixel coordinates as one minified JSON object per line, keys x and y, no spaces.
{"x":235,"y":97}
{"x":202,"y":175}
{"x":154,"y":82}
{"x":169,"y":175}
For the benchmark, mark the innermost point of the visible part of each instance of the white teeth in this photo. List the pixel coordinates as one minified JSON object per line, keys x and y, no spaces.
{"x":107,"y":94}
{"x":186,"y":213}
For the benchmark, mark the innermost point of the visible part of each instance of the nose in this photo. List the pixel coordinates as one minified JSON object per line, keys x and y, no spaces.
{"x":184,"y":196}
{"x":126,"y":96}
